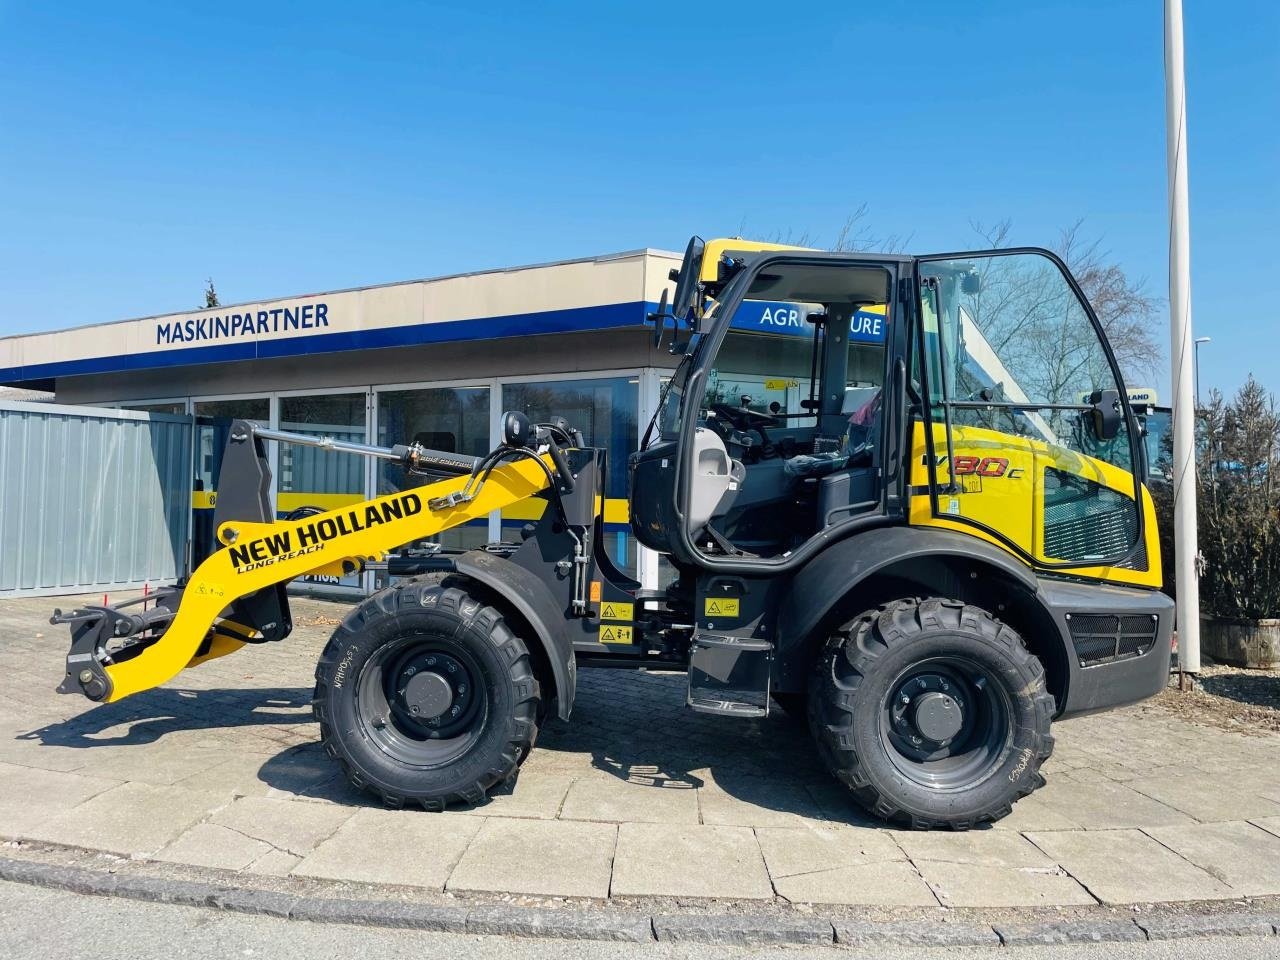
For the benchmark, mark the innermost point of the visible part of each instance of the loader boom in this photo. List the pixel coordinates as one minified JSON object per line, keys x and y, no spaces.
{"x":193,"y":623}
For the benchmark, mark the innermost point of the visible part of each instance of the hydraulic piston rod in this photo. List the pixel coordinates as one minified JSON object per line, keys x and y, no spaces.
{"x":413,"y":455}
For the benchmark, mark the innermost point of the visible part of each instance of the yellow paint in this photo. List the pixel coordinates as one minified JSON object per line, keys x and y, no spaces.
{"x":217,"y":582}
{"x":617,"y":611}
{"x":615,"y":510}
{"x":1013,"y":506}
{"x":713,"y":250}
{"x":720,"y":606}
{"x":288,"y":502}
{"x":609,"y":633}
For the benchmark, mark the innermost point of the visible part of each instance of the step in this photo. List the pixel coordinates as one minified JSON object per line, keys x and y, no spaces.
{"x":727,"y":708}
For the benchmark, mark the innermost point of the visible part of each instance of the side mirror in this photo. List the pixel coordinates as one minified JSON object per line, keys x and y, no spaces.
{"x":1107,"y":413}
{"x":660,"y":319}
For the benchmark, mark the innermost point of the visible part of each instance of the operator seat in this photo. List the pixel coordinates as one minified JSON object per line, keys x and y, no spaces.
{"x":717,"y":478}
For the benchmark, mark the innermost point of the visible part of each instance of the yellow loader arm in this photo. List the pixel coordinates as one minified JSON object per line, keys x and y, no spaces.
{"x":120,"y":650}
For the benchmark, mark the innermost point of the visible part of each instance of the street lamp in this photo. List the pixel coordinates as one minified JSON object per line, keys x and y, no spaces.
{"x":1199,"y":340}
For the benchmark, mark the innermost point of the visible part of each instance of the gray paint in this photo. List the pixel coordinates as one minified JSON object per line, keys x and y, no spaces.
{"x":513,"y":357}
{"x":91,"y":499}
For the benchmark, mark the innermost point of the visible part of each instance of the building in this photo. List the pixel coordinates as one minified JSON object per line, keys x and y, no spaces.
{"x":433,"y":360}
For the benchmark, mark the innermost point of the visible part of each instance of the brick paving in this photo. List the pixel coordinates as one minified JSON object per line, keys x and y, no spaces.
{"x":636,"y":796}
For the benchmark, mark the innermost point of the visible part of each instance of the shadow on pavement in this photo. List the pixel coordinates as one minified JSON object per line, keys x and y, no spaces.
{"x":146,"y":717}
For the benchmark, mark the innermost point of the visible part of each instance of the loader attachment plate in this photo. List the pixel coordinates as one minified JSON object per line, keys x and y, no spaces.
{"x":127,"y":648}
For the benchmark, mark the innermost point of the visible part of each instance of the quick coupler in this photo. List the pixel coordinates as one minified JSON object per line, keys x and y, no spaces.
{"x":101,"y":636}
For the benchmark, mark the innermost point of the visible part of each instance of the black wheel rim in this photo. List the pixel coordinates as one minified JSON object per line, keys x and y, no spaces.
{"x":422,"y":700}
{"x":945,"y":723}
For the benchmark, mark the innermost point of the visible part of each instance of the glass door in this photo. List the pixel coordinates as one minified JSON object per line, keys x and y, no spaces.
{"x":310,"y":480}
{"x":1029,"y":437}
{"x":213,"y":421}
{"x":455,"y":419}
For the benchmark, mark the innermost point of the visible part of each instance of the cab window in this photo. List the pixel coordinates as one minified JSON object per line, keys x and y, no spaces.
{"x":789,"y":411}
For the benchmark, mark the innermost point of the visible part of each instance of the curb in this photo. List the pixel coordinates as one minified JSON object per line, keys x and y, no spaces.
{"x":579,"y":924}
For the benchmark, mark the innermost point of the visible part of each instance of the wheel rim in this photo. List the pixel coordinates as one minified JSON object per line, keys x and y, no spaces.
{"x":421,"y":699}
{"x":945,"y":723}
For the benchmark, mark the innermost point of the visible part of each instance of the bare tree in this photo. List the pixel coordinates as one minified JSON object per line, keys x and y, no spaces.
{"x":1127,"y":312}
{"x":211,"y":296}
{"x":854,"y":236}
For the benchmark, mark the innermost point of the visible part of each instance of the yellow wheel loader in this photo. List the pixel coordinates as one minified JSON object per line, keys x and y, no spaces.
{"x":901,"y":496}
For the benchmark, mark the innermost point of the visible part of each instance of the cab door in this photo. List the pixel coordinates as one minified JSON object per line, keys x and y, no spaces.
{"x":1026,"y":438}
{"x":783,"y":413}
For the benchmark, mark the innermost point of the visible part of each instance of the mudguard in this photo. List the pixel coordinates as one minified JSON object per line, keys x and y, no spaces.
{"x":528,"y":596}
{"x":828,"y":578}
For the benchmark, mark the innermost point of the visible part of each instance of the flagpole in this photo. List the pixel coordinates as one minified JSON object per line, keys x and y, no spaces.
{"x":1181,"y":347}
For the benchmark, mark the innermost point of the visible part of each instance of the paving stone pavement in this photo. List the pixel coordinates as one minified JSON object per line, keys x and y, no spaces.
{"x":635,"y":797}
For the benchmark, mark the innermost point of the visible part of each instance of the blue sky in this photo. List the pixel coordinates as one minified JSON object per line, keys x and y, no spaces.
{"x":290,"y":148}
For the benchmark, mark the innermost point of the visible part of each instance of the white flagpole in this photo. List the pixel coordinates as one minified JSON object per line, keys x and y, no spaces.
{"x":1181,"y":340}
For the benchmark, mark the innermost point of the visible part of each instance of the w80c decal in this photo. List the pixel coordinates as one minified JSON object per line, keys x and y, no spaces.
{"x":969,"y":466}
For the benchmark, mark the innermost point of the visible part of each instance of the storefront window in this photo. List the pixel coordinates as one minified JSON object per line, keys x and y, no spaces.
{"x":455,"y":419}
{"x":176,"y":406}
{"x":310,"y":480}
{"x":605,"y":410}
{"x":214,"y":421}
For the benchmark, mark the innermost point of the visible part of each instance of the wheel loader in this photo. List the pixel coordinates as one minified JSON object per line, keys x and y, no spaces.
{"x":899,"y":497}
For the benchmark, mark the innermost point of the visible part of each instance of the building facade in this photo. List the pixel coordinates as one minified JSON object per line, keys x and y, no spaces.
{"x":435,"y":361}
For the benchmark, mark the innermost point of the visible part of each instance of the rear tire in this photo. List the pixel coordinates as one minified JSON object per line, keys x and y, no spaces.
{"x":932,"y":713}
{"x":424,"y":695}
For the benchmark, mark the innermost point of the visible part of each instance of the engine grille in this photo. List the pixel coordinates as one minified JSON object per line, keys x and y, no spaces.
{"x":1084,"y":520}
{"x":1105,"y":637}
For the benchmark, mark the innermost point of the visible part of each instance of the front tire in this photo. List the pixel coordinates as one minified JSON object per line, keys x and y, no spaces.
{"x":424,"y":695}
{"x":933,"y":713}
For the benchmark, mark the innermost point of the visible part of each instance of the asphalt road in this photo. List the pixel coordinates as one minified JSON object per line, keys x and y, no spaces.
{"x":39,"y":923}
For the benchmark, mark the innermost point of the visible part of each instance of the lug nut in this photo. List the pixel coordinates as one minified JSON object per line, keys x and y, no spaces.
{"x":414,"y":710}
{"x":905,"y":701}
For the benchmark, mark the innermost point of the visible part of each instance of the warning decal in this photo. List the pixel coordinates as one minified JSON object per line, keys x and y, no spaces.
{"x":720,"y":606}
{"x":611,"y":634}
{"x":616,"y":611}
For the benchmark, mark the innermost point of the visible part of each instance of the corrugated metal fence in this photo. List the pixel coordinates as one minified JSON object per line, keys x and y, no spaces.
{"x":91,"y":499}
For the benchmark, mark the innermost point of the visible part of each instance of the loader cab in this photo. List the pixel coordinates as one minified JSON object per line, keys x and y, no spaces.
{"x":781,"y":400}
{"x":819,"y":393}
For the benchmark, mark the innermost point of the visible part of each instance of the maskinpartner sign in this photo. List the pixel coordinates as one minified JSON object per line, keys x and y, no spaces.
{"x":170,"y":331}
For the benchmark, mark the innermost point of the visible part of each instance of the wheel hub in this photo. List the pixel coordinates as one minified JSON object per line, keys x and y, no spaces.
{"x":433,"y":691}
{"x":929,"y":710}
{"x":428,"y":695}
{"x":936,"y":716}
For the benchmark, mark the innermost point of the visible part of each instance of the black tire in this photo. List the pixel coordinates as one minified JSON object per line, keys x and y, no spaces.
{"x":876,"y":709}
{"x":490,"y":694}
{"x":794,"y":705}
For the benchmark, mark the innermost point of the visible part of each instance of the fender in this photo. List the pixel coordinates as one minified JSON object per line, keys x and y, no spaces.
{"x":828,"y":578}
{"x":529,"y":597}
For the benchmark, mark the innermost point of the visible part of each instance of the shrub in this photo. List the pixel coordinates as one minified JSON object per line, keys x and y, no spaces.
{"x":1238,"y":477}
